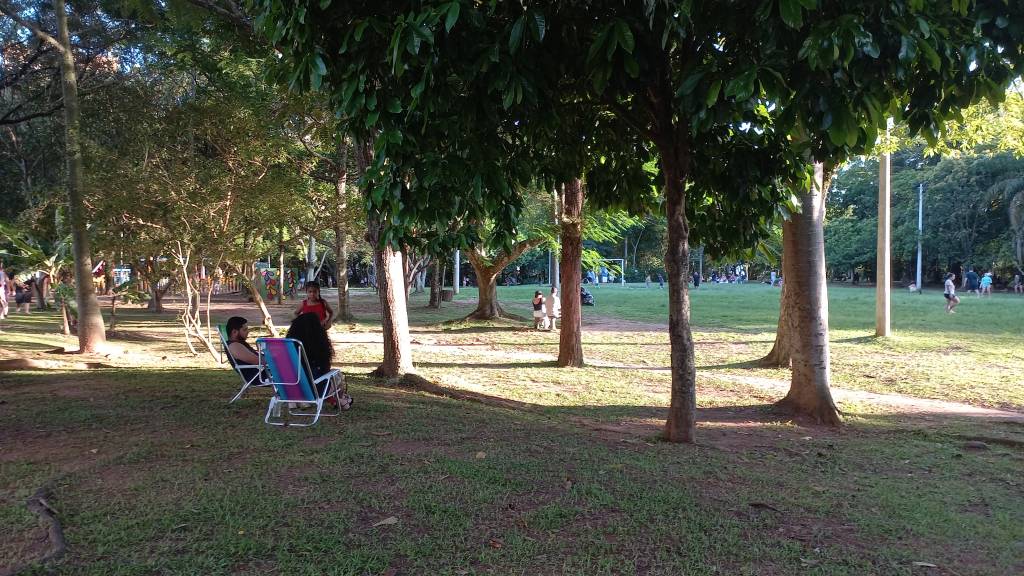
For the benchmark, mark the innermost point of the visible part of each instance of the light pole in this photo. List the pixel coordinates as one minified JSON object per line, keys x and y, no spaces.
{"x":920,"y":230}
{"x":883,"y":326}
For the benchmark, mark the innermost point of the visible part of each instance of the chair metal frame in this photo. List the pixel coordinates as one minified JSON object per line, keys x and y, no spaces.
{"x":303,"y":390}
{"x":254,"y":381}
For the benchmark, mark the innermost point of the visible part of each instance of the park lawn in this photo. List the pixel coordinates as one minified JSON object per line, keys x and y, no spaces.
{"x":975,"y":356}
{"x":153,"y":472}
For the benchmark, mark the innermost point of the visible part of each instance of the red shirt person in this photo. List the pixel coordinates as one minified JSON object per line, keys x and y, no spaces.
{"x":314,"y":304}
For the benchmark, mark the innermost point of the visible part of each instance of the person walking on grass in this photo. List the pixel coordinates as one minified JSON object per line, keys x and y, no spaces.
{"x":950,"y":294}
{"x":1018,"y":283}
{"x":538,"y":310}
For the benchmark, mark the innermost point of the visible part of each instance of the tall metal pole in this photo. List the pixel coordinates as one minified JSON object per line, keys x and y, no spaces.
{"x":456,"y":282}
{"x":920,"y":231}
{"x":882,"y":262}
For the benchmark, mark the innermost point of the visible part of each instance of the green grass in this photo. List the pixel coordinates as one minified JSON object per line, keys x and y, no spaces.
{"x":974,"y":356}
{"x":154,"y":472}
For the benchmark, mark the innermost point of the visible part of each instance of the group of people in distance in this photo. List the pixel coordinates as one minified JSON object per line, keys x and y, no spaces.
{"x":980,"y":285}
{"x":546,"y":310}
{"x":312,"y":318}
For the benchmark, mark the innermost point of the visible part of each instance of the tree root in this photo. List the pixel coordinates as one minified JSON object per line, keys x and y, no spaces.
{"x":38,"y":505}
{"x":479,"y":316}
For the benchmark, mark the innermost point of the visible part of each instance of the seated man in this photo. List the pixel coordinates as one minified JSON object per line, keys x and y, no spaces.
{"x":239,"y":351}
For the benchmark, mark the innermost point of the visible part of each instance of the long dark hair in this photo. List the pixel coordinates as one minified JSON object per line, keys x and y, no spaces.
{"x":308,"y":330}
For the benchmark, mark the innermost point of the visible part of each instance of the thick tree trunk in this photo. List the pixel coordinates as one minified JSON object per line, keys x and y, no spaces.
{"x":486,"y":271}
{"x":487,"y":306}
{"x":804,"y":267}
{"x":91,"y":333}
{"x":268,"y":320}
{"x":156,"y":298}
{"x":341,"y":259}
{"x":390,"y":288}
{"x":570,"y":338}
{"x":435,"y":285}
{"x":682,"y":414}
{"x":394,"y":315}
{"x":782,"y":351}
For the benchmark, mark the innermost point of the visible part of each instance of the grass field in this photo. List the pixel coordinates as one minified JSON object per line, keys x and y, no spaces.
{"x":537,"y":470}
{"x":974,"y":356}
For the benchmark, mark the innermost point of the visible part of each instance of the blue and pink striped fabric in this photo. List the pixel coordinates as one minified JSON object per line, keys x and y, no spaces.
{"x":291,"y":380}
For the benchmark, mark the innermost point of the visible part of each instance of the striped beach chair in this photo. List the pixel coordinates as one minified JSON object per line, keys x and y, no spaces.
{"x":286,"y":368}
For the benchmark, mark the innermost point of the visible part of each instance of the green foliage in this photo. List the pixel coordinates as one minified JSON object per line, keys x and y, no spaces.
{"x":966,"y":216}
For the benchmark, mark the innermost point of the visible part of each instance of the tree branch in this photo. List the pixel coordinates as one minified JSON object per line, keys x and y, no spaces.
{"x":6,"y":9}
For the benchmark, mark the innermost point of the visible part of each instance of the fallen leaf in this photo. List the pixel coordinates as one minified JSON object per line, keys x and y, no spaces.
{"x":925,"y":565}
{"x":389,"y":521}
{"x":809,"y":562}
{"x":380,"y":433}
{"x":94,"y":450}
{"x":481,"y":455}
{"x":241,"y":531}
{"x":495,"y":543}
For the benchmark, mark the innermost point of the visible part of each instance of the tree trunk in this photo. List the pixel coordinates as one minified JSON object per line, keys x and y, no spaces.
{"x":487,"y":306}
{"x":486,"y":272}
{"x":435,"y":285}
{"x":804,"y":264}
{"x":156,"y":300}
{"x":108,"y":277}
{"x":570,"y":338}
{"x":113,"y":312}
{"x":280,"y":269}
{"x":390,"y":288}
{"x":91,"y":334}
{"x":394,"y":316}
{"x":341,"y":263}
{"x":268,"y":320}
{"x":782,"y":351}
{"x":682,"y":414}
{"x":66,"y":323}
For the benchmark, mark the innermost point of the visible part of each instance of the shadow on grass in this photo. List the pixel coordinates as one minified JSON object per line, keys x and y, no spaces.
{"x":489,"y":365}
{"x":756,"y":363}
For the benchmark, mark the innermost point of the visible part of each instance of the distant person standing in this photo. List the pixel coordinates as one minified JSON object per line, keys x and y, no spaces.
{"x":538,"y":310}
{"x":696,"y":279}
{"x":4,"y":281}
{"x":314,"y":304}
{"x":647,"y":281}
{"x":1018,"y":283}
{"x":950,"y":294}
{"x":774,"y":277}
{"x":986,"y":284}
{"x":552,"y":309}
{"x":661,"y":281}
{"x":972,"y":282}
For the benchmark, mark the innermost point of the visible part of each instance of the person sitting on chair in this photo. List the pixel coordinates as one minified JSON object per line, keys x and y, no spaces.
{"x":239,"y":351}
{"x":307,"y":328}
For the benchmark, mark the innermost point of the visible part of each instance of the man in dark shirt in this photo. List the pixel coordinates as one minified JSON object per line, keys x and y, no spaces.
{"x":972,"y":282}
{"x":239,"y":351}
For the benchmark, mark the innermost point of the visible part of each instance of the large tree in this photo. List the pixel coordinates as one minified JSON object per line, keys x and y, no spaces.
{"x":728,"y":105}
{"x":91,"y":331}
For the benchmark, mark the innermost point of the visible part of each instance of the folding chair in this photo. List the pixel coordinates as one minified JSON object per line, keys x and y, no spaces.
{"x":240,"y":369}
{"x":287,"y":370}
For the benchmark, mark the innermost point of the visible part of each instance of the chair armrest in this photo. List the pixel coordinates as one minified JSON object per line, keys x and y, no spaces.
{"x":329,"y":374}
